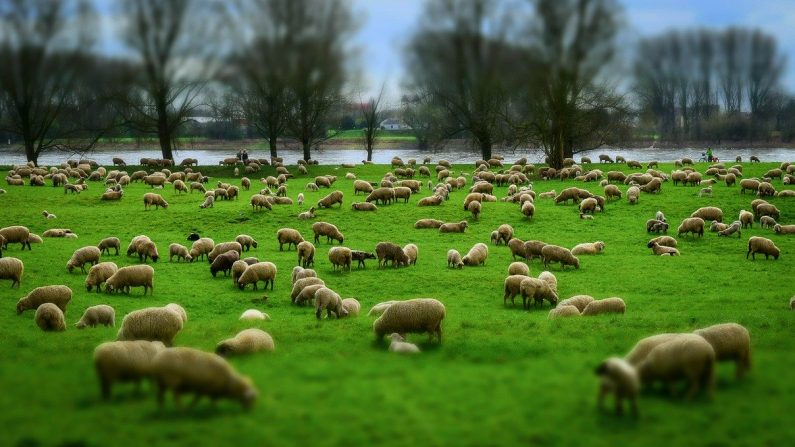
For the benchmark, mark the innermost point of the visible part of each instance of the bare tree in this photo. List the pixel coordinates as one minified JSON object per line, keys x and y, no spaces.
{"x":42,"y":46}
{"x":372,"y":115}
{"x":422,"y":118}
{"x":765,"y":67}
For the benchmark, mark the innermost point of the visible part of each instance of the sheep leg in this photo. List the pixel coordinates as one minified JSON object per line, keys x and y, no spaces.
{"x":161,"y":394}
{"x":318,"y":312}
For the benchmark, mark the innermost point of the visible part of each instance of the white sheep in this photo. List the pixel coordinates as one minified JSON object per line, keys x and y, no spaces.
{"x":399,"y":345}
{"x":50,"y":318}
{"x":619,"y":378}
{"x":254,"y":314}
{"x":128,"y":361}
{"x":380,"y":308}
{"x":247,"y":341}
{"x":730,"y":341}
{"x":416,"y":315}
{"x":59,"y":295}
{"x":83,"y":256}
{"x":13,"y":269}
{"x":151,"y":323}
{"x":687,"y":356}
{"x":99,"y":314}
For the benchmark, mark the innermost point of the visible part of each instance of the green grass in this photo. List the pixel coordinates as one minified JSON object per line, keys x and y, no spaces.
{"x":391,"y":135}
{"x":502,"y":376}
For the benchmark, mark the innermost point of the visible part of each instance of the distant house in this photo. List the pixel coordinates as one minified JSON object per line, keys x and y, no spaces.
{"x":393,"y":124}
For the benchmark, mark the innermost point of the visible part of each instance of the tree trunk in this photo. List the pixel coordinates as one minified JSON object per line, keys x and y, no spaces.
{"x":165,"y":144}
{"x":307,"y":146}
{"x":272,"y":143}
{"x":485,"y":148}
{"x":30,"y":151}
{"x":369,"y":149}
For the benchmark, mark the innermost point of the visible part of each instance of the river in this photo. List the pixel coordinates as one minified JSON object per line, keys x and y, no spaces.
{"x":332,"y":156}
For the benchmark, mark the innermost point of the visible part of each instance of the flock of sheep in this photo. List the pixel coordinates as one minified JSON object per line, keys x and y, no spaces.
{"x":143,"y":346}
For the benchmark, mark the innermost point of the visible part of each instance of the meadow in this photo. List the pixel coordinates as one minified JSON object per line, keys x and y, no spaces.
{"x":501,"y":376}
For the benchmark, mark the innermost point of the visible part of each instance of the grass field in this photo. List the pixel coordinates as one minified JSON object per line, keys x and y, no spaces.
{"x":502,"y":376}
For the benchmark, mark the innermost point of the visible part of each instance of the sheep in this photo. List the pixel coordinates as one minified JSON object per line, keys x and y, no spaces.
{"x":223,"y":262}
{"x":33,"y":239}
{"x":201,"y":248}
{"x":550,"y":279}
{"x":662,"y":250}
{"x":717,"y":226}
{"x":247,"y":341}
{"x":792,"y":303}
{"x":767,"y":222}
{"x":694,"y":225}
{"x":411,"y":251}
{"x":476,"y":256}
{"x":532,"y":249}
{"x":588,"y":248}
{"x":50,"y":318}
{"x":202,"y":373}
{"x":246,"y":241}
{"x":730,"y":341}
{"x":687,"y":356}
{"x":384,"y":195}
{"x":512,"y":287}
{"x":538,"y":290}
{"x":329,"y":300}
{"x":656,"y":226}
{"x":428,"y":223}
{"x":124,"y":361}
{"x":459,"y":227}
{"x":362,"y":186}
{"x":13,"y":269}
{"x":150,"y":323}
{"x":454,"y":259}
{"x":99,"y":273}
{"x":180,"y":251}
{"x":328,"y":230}
{"x":708,"y":213}
{"x":474,"y":207}
{"x":618,"y":377}
{"x":307,"y":215}
{"x":434,"y":200}
{"x":703,"y":192}
{"x":784,"y":229}
{"x":351,"y":306}
{"x":147,"y":249}
{"x":518,"y":268}
{"x":94,"y":315}
{"x":254,"y":314}
{"x":224,"y":247}
{"x":48,"y":215}
{"x":528,"y":209}
{"x":261,"y":271}
{"x":17,"y":233}
{"x":554,"y":253}
{"x":259,"y":201}
{"x":387,"y":251}
{"x":306,"y":254}
{"x":331,"y":199}
{"x":612,"y":191}
{"x":58,"y":295}
{"x":360,"y":256}
{"x":399,"y":345}
{"x":762,"y":245}
{"x":416,"y":315}
{"x":131,"y":276}
{"x":300,"y":273}
{"x":179,"y":310}
{"x":731,"y":229}
{"x":157,"y":200}
{"x":363,"y":206}
{"x":563,"y":312}
{"x":767,"y":209}
{"x":765,"y":189}
{"x":578,"y":301}
{"x":654,"y":186}
{"x":607,"y":305}
{"x":633,"y":193}
{"x":108,"y":243}
{"x":548,"y":195}
{"x":642,"y":348}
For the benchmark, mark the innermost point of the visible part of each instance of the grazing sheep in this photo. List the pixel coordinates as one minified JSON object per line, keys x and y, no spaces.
{"x":329,"y":300}
{"x":223,"y":262}
{"x":157,"y":200}
{"x":180,"y":251}
{"x":588,"y":248}
{"x":380,"y":308}
{"x":131,"y":276}
{"x":694,"y":225}
{"x":246,"y":241}
{"x":331,"y":199}
{"x":128,"y":361}
{"x":553,"y":253}
{"x":730,"y":341}
{"x":717,"y":226}
{"x":238,"y":267}
{"x":147,"y":249}
{"x":662,"y":250}
{"x":685,"y":356}
{"x":411,"y":252}
{"x":784,"y":229}
{"x":512,"y":287}
{"x":17,"y":234}
{"x":708,"y":213}
{"x":302,"y":284}
{"x":731,"y":229}
{"x":398,"y":344}
{"x":362,"y":186}
{"x":384,"y":195}
{"x":94,"y":315}
{"x":767,"y":209}
{"x":578,"y":301}
{"x":762,"y":245}
{"x":528,"y":209}
{"x":261,"y":271}
{"x":454,"y":259}
{"x":363,"y":206}
{"x":108,"y":243}
{"x":224,"y":247}
{"x":254,"y":314}
{"x":341,"y":257}
{"x":459,"y":227}
{"x":307,"y":294}
{"x":351,"y":306}
{"x":247,"y":341}
{"x":209,"y":202}
{"x":428,"y":223}
{"x":151,"y":323}
{"x":415,"y":316}
{"x":618,"y":377}
{"x":259,"y":201}
{"x":767,"y":222}
{"x":57,"y":295}
{"x":538,"y":290}
{"x":633,"y":193}
{"x":201,"y":248}
{"x":518,"y":268}
{"x":307,"y":215}
{"x":477,"y":255}
{"x":656,"y":226}
{"x":300,"y":273}
{"x":550,"y":279}
{"x":605,"y":306}
{"x":50,"y":318}
{"x":201,"y":373}
{"x":642,"y":348}
{"x":83,"y":256}
{"x":387,"y":251}
{"x":563,"y":312}
{"x":99,"y":273}
{"x":306,"y":254}
{"x":328,"y":230}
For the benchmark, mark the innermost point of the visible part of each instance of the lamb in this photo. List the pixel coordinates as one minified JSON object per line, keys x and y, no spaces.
{"x":331,"y":199}
{"x":607,"y":305}
{"x":416,"y":316}
{"x":454,"y":259}
{"x":224,"y":247}
{"x":12,"y":268}
{"x":259,"y":201}
{"x":730,"y":341}
{"x":328,"y":230}
{"x":767,"y":222}
{"x":762,"y":245}
{"x":329,"y":300}
{"x":50,"y":318}
{"x":17,"y":233}
{"x":703,"y":192}
{"x":662,"y":250}
{"x":202,"y":373}
{"x":157,"y":200}
{"x":687,"y":356}
{"x":399,"y":345}
{"x":108,"y":243}
{"x":180,"y":251}
{"x":48,"y":215}
{"x":694,"y":225}
{"x":387,"y":251}
{"x":784,"y":229}
{"x":201,"y":248}
{"x":709,"y":213}
{"x":633,"y":193}
{"x":57,"y":295}
{"x":247,"y":341}
{"x":57,"y":232}
{"x":411,"y":251}
{"x":428,"y":223}
{"x":554,"y":253}
{"x":261,"y":271}
{"x":307,"y":215}
{"x":518,"y":268}
{"x":618,"y":377}
{"x":731,"y":229}
{"x":351,"y":306}
{"x":360,"y":256}
{"x":302,"y":283}
{"x":131,"y":276}
{"x":563,"y":312}
{"x":128,"y":361}
{"x":223,"y":262}
{"x":538,"y":290}
{"x":459,"y":227}
{"x":588,"y":248}
{"x":99,"y":273}
{"x":151,"y":323}
{"x":578,"y":301}
{"x":209,"y":202}
{"x":254,"y":314}
{"x":94,"y":315}
{"x":717,"y":226}
{"x":477,"y":255}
